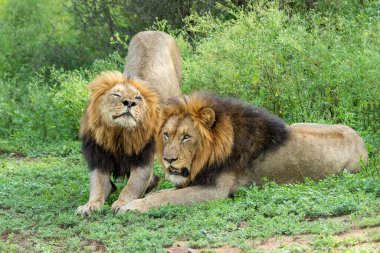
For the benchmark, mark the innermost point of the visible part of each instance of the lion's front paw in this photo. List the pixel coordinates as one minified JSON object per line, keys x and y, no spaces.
{"x":86,"y":209}
{"x":118,"y":204}
{"x":136,"y":205}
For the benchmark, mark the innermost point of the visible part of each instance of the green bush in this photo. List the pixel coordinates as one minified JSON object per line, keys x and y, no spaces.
{"x":36,"y":33}
{"x":71,"y":94}
{"x":302,"y":67}
{"x":43,"y":115}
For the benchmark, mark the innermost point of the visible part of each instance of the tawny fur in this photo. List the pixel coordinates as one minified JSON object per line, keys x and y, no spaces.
{"x":308,"y":151}
{"x":215,"y":145}
{"x":164,"y":71}
{"x":117,"y":139}
{"x":313,"y":151}
{"x":117,"y":130}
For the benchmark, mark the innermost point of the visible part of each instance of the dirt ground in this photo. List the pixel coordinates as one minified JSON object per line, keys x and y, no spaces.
{"x":355,"y":240}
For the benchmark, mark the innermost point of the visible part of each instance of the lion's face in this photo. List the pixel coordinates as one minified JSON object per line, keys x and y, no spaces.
{"x":181,"y":140}
{"x":191,"y":137}
{"x":123,"y":106}
{"x":121,"y":113}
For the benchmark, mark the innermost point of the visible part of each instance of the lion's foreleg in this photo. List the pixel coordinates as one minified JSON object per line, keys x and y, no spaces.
{"x":100,"y":188}
{"x":137,"y":184}
{"x":188,"y":195}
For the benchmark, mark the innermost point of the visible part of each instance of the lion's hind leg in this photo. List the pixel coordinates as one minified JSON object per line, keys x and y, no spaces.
{"x":100,"y":187}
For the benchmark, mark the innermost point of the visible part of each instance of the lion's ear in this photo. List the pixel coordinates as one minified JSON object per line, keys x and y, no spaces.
{"x":207,"y":116}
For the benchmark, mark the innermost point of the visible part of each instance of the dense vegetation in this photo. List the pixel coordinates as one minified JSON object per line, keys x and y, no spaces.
{"x":304,"y":60}
{"x":319,"y":65}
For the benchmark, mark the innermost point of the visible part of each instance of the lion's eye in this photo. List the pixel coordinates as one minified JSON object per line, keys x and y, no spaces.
{"x":186,"y":137}
{"x":166,"y":136}
{"x":138,"y":97}
{"x":116,"y":95}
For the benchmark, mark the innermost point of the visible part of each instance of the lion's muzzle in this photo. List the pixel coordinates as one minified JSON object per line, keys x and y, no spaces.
{"x":126,"y":113}
{"x":179,"y":172}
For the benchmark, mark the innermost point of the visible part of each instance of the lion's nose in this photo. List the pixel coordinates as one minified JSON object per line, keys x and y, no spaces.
{"x":129,"y":103}
{"x":170,"y":160}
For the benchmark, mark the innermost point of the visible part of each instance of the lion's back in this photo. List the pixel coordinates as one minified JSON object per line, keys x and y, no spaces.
{"x":314,"y":151}
{"x":335,"y":143}
{"x":154,"y":57}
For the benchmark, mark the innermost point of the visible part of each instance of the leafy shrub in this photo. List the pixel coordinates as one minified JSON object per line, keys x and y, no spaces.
{"x":303,"y":66}
{"x":300,"y":67}
{"x":36,"y":33}
{"x":47,"y":110}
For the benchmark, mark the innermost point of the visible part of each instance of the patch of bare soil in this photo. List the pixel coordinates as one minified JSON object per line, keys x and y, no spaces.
{"x":279,"y":242}
{"x":356,"y":239}
{"x":95,"y":246}
{"x":365,"y":247}
{"x":19,"y":239}
{"x":182,"y":247}
{"x":362,"y":235}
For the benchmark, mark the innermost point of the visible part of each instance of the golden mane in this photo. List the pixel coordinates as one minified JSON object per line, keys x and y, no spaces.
{"x":216,"y":141}
{"x":118,"y":139}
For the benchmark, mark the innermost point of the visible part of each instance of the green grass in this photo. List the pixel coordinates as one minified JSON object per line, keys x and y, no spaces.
{"x":38,"y":197}
{"x":319,"y":66}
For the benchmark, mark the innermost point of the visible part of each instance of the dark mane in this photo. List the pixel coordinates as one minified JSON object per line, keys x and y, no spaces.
{"x":115,"y":149}
{"x":255,"y":132}
{"x":118,"y":165}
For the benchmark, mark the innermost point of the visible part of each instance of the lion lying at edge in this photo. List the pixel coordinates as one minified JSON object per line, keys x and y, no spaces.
{"x":117,"y":129}
{"x":211,"y":146}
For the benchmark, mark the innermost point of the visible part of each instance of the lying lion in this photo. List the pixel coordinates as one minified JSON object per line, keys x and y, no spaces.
{"x":211,"y":146}
{"x":117,"y":130}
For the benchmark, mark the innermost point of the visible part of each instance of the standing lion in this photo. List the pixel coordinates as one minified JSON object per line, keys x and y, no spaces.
{"x":211,"y":146}
{"x":117,"y":129}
